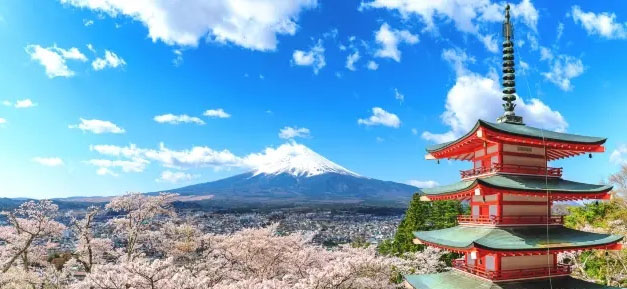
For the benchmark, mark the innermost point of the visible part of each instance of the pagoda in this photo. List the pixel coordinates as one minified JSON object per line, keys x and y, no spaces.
{"x":511,"y":239}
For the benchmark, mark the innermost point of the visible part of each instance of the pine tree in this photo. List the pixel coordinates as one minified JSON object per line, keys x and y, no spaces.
{"x":421,"y":216}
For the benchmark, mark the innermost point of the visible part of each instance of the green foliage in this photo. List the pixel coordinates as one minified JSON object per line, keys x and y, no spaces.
{"x":360,"y":243}
{"x":607,"y":267}
{"x":421,"y":216}
{"x":596,"y":214}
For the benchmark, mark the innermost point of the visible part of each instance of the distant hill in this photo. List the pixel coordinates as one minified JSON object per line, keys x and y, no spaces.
{"x":8,"y":204}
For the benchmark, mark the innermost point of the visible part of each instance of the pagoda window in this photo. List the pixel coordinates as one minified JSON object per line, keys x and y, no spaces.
{"x":524,"y":155}
{"x":524,"y":198}
{"x":526,"y":262}
{"x":470,"y":261}
{"x":490,"y":263}
{"x":494,"y":210}
{"x":493,"y":149}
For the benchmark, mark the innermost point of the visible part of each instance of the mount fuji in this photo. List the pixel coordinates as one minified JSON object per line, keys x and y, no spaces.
{"x":293,"y":174}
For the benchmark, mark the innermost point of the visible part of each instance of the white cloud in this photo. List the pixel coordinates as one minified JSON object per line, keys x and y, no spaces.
{"x":294,"y":132}
{"x":423,"y":184}
{"x":533,"y":42}
{"x":399,"y":96}
{"x":53,"y":59}
{"x":560,"y":31}
{"x":603,"y":24}
{"x":440,"y":137}
{"x":176,"y":119}
{"x":90,"y":47}
{"x":88,"y":22}
{"x":389,"y":39}
{"x":24,"y":103}
{"x":563,"y":69}
{"x":523,"y":65}
{"x":174,"y":177}
{"x":3,"y":120}
{"x":467,"y":15}
{"x":252,"y":24}
{"x":458,"y":59}
{"x":314,"y":57}
{"x":97,"y":126}
{"x":135,"y":165}
{"x":216,"y":113}
{"x":476,"y":96}
{"x":526,"y":12}
{"x":489,"y":41}
{"x":110,"y":59}
{"x":6,"y":103}
{"x":619,"y":155}
{"x":372,"y":65}
{"x":135,"y":159}
{"x":178,"y":57}
{"x":351,"y":59}
{"x":105,"y":172}
{"x":545,"y":53}
{"x":112,"y":150}
{"x":381,"y":117}
{"x":49,"y":162}
{"x":198,"y":156}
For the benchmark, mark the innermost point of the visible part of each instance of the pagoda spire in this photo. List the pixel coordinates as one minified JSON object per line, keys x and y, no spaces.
{"x":509,"y":83}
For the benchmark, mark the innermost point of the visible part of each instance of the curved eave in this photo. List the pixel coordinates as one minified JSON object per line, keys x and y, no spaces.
{"x":558,"y":188}
{"x":520,"y":252}
{"x":544,"y":134}
{"x":560,"y":145}
{"x":508,"y":240}
{"x":455,"y":279}
{"x":442,"y":146}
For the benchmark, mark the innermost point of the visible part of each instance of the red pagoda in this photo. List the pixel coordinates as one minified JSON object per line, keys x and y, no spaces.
{"x":511,"y":239}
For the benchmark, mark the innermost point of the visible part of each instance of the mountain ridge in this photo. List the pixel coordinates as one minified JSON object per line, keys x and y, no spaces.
{"x":295,"y":174}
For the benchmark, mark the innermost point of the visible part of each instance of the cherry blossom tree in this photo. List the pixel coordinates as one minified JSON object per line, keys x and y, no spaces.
{"x":138,"y":212}
{"x":157,"y":249}
{"x":89,"y":249}
{"x":29,"y":234}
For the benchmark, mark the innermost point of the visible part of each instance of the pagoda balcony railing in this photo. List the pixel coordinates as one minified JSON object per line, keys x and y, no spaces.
{"x":510,"y":220}
{"x":512,"y":169}
{"x":512,"y":274}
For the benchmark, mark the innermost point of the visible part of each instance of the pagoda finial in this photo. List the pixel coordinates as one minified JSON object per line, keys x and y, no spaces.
{"x":509,"y":83}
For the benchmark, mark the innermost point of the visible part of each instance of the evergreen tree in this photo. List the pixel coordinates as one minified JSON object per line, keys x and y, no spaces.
{"x":421,"y":216}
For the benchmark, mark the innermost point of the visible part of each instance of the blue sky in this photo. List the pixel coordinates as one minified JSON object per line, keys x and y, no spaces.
{"x":103,"y":97}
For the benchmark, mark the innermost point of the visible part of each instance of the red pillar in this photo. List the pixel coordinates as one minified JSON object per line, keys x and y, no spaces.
{"x":499,"y":203}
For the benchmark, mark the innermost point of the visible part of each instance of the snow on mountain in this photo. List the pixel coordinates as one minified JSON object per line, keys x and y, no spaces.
{"x":294,"y":175}
{"x":294,"y":159}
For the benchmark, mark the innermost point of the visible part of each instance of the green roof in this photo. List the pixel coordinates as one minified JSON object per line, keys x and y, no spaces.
{"x":526,"y":131}
{"x":523,"y":183}
{"x":455,"y":279}
{"x":515,"y":238}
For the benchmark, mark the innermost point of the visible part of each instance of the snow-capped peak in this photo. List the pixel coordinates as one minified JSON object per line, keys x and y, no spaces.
{"x":294,"y":159}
